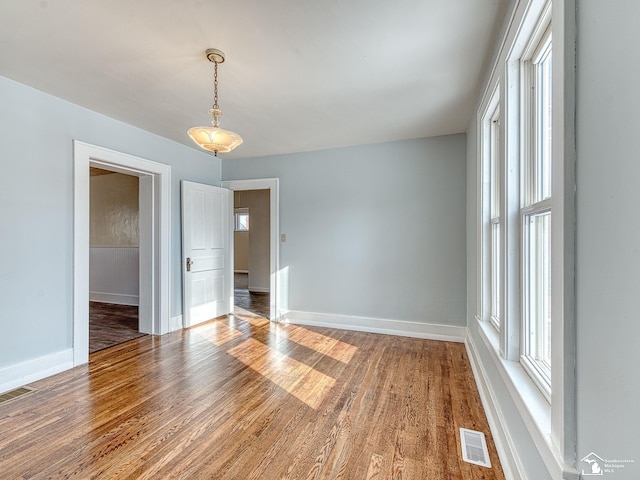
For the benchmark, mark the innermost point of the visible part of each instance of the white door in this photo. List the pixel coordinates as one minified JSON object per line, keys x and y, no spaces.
{"x":206,"y":260}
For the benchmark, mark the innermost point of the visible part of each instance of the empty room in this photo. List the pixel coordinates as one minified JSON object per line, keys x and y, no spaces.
{"x":334,"y":239}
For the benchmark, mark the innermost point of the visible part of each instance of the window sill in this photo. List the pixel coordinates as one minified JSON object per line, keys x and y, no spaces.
{"x":533,"y":407}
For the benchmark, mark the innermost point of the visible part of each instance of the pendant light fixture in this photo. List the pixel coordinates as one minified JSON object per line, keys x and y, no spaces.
{"x":214,"y":138}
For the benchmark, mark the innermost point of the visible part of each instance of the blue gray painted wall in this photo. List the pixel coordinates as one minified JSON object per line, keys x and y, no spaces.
{"x":608,"y":232}
{"x":36,"y":214}
{"x":374,"y":231}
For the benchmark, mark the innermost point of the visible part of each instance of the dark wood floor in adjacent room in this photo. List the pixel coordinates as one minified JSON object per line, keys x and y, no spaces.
{"x":247,"y":302}
{"x":111,"y":324}
{"x":241,"y":398}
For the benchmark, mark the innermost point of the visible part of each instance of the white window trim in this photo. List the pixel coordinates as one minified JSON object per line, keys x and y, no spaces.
{"x":532,"y":406}
{"x":552,"y":426}
{"x":484,"y":206}
{"x":538,"y":44}
{"x":520,"y":123}
{"x":495,"y":160}
{"x":540,"y":378}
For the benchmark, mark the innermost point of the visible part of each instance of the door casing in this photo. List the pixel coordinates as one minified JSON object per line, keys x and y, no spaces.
{"x":154,"y":226}
{"x":276,"y":286}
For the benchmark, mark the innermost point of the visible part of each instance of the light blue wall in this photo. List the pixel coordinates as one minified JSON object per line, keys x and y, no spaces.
{"x":608,"y":231}
{"x":373,"y":231}
{"x":36,"y":211}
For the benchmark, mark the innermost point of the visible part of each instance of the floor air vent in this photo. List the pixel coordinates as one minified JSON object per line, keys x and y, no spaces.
{"x":17,"y":393}
{"x":474,"y":447}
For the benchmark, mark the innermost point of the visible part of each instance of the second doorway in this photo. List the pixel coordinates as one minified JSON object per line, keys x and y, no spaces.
{"x":252,"y":251}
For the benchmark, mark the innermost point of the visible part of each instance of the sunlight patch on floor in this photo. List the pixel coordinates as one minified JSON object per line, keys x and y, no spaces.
{"x":331,"y":347}
{"x":252,"y":318}
{"x":299,"y":379}
{"x":219,"y":332}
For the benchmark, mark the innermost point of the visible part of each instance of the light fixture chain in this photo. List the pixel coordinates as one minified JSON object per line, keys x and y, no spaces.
{"x":215,"y":86}
{"x":214,"y":138}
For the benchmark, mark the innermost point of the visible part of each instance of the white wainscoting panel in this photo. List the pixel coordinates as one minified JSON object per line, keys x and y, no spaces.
{"x":113,"y":275}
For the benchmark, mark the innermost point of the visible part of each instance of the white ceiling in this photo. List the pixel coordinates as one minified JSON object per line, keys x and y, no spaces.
{"x":300,"y":74}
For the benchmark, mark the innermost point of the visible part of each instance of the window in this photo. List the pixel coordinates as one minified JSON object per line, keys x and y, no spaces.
{"x":535,"y":212}
{"x":491,"y":212}
{"x":533,"y":346}
{"x":495,"y":165}
{"x":241,"y":219}
{"x":491,"y":208}
{"x":516,"y":208}
{"x":537,"y":293}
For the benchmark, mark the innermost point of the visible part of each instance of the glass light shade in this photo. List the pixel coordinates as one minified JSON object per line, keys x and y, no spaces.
{"x":215,"y":139}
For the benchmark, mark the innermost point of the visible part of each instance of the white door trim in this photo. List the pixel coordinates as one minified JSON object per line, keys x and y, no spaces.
{"x":271,"y":184}
{"x":154,"y":227}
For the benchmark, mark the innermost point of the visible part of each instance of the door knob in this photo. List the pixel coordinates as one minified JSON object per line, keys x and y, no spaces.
{"x":189,"y":263}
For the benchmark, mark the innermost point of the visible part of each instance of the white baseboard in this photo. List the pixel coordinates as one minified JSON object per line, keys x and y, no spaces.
{"x":241,"y":271}
{"x":259,"y":290}
{"x":175,"y":323}
{"x":116,"y":298}
{"x":511,"y":465}
{"x":402,"y":328}
{"x":23,"y":373}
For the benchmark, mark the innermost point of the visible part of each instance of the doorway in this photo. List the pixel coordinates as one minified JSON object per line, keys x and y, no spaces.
{"x":114,"y":271}
{"x":251,"y":249}
{"x":154,"y":240}
{"x":271,"y":185}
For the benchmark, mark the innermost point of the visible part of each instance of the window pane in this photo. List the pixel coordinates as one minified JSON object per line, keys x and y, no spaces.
{"x":242,"y":222}
{"x":494,"y":159}
{"x":543,"y":126}
{"x":538,"y":291}
{"x":495,"y":197}
{"x":536,"y":216}
{"x":495,"y":274}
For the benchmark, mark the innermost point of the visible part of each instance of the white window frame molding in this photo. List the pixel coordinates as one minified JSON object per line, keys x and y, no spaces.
{"x":495,"y":160}
{"x":552,"y":426}
{"x":538,"y":41}
{"x":484,"y":204}
{"x":563,"y":331}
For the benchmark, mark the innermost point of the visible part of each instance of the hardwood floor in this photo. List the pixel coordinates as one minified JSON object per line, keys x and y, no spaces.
{"x":241,"y":398}
{"x":247,"y":302}
{"x":111,"y":324}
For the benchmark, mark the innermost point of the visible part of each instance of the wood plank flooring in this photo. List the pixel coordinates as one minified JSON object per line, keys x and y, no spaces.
{"x":242,"y":398}
{"x":247,"y":302}
{"x":111,"y":324}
